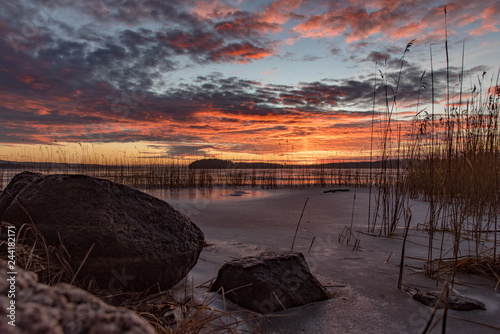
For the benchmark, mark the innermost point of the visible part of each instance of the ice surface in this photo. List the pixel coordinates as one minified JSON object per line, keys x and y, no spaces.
{"x":364,"y":282}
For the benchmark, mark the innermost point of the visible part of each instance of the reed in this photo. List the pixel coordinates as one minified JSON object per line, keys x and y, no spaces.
{"x":452,"y":160}
{"x":391,"y":200}
{"x":449,"y":158}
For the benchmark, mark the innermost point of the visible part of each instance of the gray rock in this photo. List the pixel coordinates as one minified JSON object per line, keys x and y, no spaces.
{"x":269,"y":282}
{"x":61,"y":308}
{"x":455,"y":301}
{"x":139,"y":239}
{"x":14,"y":187}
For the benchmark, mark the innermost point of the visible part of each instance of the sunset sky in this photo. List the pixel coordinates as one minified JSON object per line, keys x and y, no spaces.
{"x":287,"y":80}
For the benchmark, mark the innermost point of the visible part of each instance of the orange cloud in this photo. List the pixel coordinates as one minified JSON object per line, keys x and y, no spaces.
{"x":240,"y":53}
{"x":280,"y":11}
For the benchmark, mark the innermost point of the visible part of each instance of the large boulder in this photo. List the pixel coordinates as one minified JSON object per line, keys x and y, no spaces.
{"x":138,"y":239}
{"x":14,"y":187}
{"x":62,"y":308}
{"x":269,"y":282}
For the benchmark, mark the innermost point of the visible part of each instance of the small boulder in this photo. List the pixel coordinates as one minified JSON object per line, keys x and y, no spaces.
{"x":62,"y":308}
{"x":269,"y":282}
{"x":138,"y":239}
{"x":455,"y":301}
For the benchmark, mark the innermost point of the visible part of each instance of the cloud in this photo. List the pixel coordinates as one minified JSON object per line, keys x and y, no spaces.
{"x":356,"y":23}
{"x":245,"y":24}
{"x":398,"y":20}
{"x":187,"y":150}
{"x":378,"y":57}
{"x":90,"y":84}
{"x":201,"y":111}
{"x":490,"y":19}
{"x":105,"y":78}
{"x":270,"y":20}
{"x":240,"y":53}
{"x":310,"y":58}
{"x":214,"y":9}
{"x":280,"y":11}
{"x":212,"y":107}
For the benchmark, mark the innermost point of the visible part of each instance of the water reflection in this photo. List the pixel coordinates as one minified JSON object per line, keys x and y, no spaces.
{"x":205,"y":193}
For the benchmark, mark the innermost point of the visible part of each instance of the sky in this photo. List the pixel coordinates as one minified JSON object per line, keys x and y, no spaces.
{"x":285,"y":80}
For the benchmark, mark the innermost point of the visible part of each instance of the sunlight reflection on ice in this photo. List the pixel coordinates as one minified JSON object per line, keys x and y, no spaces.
{"x":210,"y":194}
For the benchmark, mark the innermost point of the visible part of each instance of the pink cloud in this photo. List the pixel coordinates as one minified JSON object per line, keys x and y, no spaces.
{"x":490,"y":18}
{"x":395,"y":20}
{"x":213,"y":9}
{"x":316,"y":27}
{"x":280,"y":11}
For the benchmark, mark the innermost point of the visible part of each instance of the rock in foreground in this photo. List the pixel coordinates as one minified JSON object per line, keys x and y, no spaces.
{"x":14,"y":187}
{"x":138,"y":239}
{"x":61,"y":308}
{"x":455,"y":301}
{"x":269,"y":282}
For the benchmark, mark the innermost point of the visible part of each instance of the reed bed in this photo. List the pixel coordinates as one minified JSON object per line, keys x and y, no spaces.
{"x":458,"y":171}
{"x":450,"y":159}
{"x":180,"y":176}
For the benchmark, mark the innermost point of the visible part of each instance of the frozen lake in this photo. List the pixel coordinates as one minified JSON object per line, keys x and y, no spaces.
{"x":364,"y":281}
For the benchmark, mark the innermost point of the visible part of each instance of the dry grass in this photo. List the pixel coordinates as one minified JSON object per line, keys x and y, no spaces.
{"x":171,"y":316}
{"x":51,"y":264}
{"x":484,"y":266}
{"x":164,"y":312}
